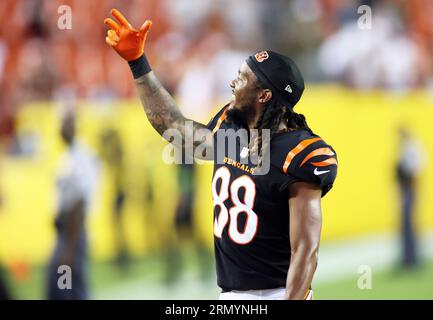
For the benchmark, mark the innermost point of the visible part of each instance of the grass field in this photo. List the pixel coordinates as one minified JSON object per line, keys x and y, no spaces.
{"x":144,"y":279}
{"x":389,"y":284}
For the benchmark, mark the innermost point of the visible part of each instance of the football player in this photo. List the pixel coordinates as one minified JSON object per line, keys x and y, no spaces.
{"x":267,"y":224}
{"x":75,"y":183}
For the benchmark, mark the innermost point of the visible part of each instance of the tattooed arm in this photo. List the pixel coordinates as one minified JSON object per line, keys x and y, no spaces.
{"x":164,"y":114}
{"x":160,"y":108}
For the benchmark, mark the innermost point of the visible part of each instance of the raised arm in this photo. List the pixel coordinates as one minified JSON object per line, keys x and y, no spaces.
{"x":158,"y":104}
{"x":161,"y":109}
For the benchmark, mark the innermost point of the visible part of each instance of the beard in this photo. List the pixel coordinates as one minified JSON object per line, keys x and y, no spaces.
{"x":240,"y":115}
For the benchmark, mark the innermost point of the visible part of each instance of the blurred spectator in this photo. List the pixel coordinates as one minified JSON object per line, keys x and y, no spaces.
{"x":35,"y":73}
{"x":112,"y":153}
{"x":204,"y":81}
{"x":186,"y":230}
{"x":75,"y":186}
{"x":4,"y":292}
{"x":381,"y":57}
{"x":409,"y":164}
{"x":37,"y":60}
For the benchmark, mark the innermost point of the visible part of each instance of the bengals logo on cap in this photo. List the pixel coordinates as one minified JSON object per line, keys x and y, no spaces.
{"x":261,"y":56}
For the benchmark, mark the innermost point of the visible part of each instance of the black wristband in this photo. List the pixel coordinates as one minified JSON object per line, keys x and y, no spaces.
{"x":139,"y":67}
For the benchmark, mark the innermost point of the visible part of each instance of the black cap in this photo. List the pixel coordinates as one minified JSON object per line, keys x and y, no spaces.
{"x":278,"y":73}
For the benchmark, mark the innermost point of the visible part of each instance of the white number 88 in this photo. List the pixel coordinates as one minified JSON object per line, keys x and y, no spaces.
{"x":246,"y":205}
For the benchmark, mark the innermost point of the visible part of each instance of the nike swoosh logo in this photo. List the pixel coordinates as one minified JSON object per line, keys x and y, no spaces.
{"x":317,"y":172}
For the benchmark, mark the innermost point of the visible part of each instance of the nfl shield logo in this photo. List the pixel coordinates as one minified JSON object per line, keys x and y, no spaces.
{"x":244,"y":152}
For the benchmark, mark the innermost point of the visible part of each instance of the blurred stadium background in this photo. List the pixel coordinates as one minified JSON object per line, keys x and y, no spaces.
{"x":364,"y":85}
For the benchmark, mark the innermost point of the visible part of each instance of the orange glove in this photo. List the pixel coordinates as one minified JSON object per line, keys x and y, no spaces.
{"x":128,"y":42}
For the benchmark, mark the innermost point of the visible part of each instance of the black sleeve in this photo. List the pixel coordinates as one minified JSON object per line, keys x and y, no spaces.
{"x":316,"y":164}
{"x":324,"y":177}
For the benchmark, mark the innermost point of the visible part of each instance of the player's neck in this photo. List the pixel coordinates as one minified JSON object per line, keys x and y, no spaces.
{"x":253,"y":120}
{"x":254,"y":116}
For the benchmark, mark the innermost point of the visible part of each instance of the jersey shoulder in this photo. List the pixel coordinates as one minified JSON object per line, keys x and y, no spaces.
{"x":215,"y":123}
{"x":305,"y":157}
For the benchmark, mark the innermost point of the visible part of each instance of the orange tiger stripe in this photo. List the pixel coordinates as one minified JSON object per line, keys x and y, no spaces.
{"x":296,"y":150}
{"x":325,"y":163}
{"x":318,"y":152}
{"x":220,"y":120}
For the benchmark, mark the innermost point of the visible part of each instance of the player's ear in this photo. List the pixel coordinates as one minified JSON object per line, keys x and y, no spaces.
{"x":265,"y":96}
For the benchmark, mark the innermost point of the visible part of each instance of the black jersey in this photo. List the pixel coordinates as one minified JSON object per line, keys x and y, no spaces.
{"x":251,"y":212}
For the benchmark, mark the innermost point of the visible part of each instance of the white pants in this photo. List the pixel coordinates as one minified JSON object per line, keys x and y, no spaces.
{"x":267,"y":294}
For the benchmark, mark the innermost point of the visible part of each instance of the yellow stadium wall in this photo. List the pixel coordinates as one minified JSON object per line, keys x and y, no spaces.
{"x":362,"y":127}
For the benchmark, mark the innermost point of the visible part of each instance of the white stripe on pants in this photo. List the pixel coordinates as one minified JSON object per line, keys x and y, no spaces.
{"x":267,"y":294}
